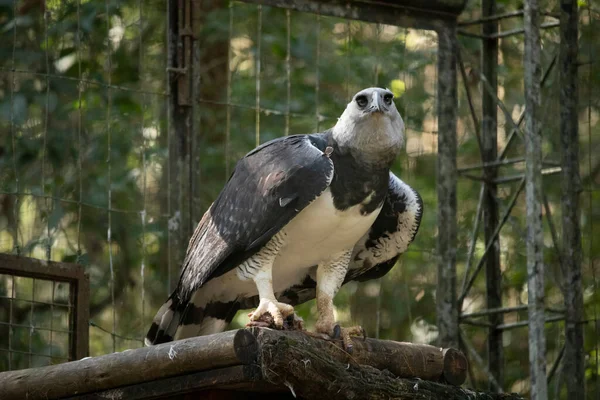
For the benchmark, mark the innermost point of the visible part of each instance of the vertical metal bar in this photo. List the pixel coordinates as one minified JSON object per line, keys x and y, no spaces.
{"x":348,"y":60}
{"x":228,"y":109}
{"x":180,"y":112}
{"x":533,"y":192}
{"x":10,"y":320}
{"x":109,"y":177}
{"x":288,"y":70}
{"x":31,"y":326}
{"x":170,"y":105}
{"x":317,"y":83}
{"x":571,"y":187}
{"x":194,"y":189}
{"x":489,"y":131}
{"x":446,"y":304}
{"x":257,"y":76}
{"x":185,"y":99}
{"x":52,"y":315}
{"x":80,"y":292}
{"x":591,"y":242}
{"x":144,"y":169}
{"x":13,"y":134}
{"x":45,"y":135}
{"x":79,"y":123}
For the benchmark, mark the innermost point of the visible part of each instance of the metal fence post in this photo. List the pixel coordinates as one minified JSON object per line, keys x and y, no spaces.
{"x":489,"y":133}
{"x":534,"y":195}
{"x":447,"y":310}
{"x":573,"y":363}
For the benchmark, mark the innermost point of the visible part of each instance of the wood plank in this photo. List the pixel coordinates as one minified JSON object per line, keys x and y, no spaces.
{"x":40,"y":269}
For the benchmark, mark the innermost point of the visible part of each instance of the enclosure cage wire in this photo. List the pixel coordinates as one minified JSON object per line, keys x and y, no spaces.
{"x":48,"y":200}
{"x":83,"y":82}
{"x":58,"y":301}
{"x":81,"y":203}
{"x":468,"y":279}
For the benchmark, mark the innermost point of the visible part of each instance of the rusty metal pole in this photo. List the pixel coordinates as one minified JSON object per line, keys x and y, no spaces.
{"x":533,"y":192}
{"x":573,"y":363}
{"x":489,"y":133}
{"x":446,"y":302}
{"x":180,"y":112}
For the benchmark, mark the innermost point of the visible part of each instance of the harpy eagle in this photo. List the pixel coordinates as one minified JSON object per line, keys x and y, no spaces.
{"x":299,"y":217}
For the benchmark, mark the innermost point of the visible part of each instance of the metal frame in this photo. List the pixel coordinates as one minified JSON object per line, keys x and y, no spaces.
{"x":79,"y":294}
{"x":536,"y":198}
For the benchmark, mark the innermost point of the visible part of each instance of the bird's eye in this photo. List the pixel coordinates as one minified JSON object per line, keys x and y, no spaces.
{"x":362,"y":101}
{"x":388,"y":99}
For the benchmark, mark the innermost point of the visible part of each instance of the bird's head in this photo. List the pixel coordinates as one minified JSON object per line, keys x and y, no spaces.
{"x":371,"y":124}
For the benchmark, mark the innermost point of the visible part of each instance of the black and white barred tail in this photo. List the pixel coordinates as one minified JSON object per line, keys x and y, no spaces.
{"x":177,"y":319}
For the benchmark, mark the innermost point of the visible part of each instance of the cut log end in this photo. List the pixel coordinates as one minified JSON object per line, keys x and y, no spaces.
{"x":455,"y":367}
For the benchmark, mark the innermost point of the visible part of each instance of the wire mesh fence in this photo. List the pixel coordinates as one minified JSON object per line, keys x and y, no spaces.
{"x":43,"y":317}
{"x":26,"y":326}
{"x":99,"y":166}
{"x":511,"y":233}
{"x":83,"y":153}
{"x":92,"y":168}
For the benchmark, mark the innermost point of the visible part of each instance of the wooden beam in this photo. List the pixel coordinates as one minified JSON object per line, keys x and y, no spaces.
{"x":130,"y":367}
{"x":424,"y":14}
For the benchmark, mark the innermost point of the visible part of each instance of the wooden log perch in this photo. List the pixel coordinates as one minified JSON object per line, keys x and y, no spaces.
{"x":129,"y":367}
{"x":315,"y":369}
{"x":404,"y":360}
{"x":247,"y":359}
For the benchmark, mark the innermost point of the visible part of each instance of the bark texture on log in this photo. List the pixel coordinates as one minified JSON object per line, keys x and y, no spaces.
{"x":403,"y":360}
{"x":317,"y":369}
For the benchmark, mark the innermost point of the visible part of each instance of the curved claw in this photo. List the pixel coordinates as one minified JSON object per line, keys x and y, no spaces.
{"x":349,"y":348}
{"x":259,"y":324}
{"x":337,"y":332}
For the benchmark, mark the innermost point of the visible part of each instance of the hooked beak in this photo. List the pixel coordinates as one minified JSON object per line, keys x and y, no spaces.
{"x":377,"y":105}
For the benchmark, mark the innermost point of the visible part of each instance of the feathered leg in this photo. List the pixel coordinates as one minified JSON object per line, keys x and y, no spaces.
{"x":259,"y":269}
{"x":330,"y":277}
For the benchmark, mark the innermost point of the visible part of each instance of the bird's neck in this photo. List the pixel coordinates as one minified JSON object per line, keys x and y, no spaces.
{"x":374,"y":143}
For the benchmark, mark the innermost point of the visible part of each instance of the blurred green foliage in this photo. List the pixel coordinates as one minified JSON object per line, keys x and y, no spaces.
{"x":84,"y":132}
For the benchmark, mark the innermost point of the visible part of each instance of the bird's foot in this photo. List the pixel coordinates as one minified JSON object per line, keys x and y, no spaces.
{"x":292,"y":322}
{"x":278,"y":311}
{"x":335,"y":331}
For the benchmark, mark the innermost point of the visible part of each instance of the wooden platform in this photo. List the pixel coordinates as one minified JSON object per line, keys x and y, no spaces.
{"x":252,"y":363}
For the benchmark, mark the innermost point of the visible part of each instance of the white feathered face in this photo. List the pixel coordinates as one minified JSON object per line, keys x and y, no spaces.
{"x":371,"y":122}
{"x":373,"y":101}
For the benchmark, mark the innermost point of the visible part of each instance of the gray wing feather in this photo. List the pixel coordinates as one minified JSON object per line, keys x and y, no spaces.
{"x":269,"y":186}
